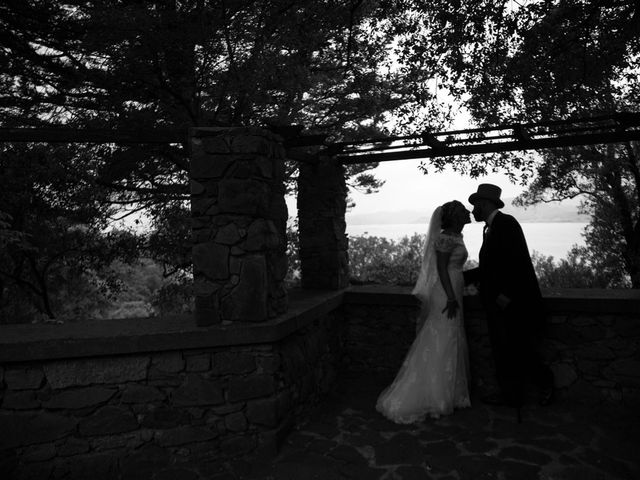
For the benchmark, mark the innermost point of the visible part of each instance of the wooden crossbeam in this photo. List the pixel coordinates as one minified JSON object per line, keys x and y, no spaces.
{"x":160,"y":136}
{"x":70,"y":135}
{"x":615,"y":128}
{"x":491,"y":147}
{"x":431,"y":140}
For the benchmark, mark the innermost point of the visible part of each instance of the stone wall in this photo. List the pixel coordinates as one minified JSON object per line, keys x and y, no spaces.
{"x":173,"y":414}
{"x":165,"y":398}
{"x":239,"y":218}
{"x":378,"y":337}
{"x":592,"y":344}
{"x":596,"y":355}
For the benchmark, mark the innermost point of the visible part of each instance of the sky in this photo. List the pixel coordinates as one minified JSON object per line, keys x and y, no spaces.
{"x":407,"y":188}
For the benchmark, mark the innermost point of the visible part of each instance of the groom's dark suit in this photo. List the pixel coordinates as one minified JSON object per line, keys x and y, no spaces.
{"x":505,"y":268}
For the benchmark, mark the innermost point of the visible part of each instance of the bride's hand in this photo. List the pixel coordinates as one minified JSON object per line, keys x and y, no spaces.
{"x":451,"y":308}
{"x":503,"y":301}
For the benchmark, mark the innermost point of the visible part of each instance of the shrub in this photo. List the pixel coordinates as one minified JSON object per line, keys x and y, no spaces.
{"x":575,"y":271}
{"x":380,"y":260}
{"x":383,"y":261}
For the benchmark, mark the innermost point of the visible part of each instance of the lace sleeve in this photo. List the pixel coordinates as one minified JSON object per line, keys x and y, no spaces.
{"x":445,"y":243}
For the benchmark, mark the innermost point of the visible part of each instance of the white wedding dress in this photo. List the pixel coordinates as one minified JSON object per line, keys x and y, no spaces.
{"x":432,"y":380}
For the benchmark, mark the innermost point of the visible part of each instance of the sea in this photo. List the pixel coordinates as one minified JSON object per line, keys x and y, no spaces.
{"x":552,"y":239}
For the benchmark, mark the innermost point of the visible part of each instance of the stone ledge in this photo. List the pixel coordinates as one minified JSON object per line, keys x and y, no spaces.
{"x":26,"y":342}
{"x":557,"y":301}
{"x":593,"y":300}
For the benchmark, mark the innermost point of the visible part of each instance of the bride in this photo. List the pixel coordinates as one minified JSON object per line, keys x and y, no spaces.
{"x":433,"y":377}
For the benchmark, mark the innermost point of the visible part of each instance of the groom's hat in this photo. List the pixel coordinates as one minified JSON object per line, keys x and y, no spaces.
{"x":488,"y":192}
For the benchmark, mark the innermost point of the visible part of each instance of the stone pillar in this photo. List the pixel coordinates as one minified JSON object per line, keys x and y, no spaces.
{"x":322,"y":203}
{"x":239,"y":220}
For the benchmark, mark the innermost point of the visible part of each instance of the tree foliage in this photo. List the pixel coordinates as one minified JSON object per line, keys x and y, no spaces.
{"x":181,"y":63}
{"x":52,"y":229}
{"x":338,"y":67}
{"x":535,"y":61}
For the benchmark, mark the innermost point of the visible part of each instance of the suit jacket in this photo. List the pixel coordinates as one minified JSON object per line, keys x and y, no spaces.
{"x":506,"y":267}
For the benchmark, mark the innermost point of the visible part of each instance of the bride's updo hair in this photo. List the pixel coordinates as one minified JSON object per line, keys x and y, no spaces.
{"x":448,"y":211}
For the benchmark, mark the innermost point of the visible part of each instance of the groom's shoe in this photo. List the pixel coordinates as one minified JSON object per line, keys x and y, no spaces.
{"x":494,"y":399}
{"x":547,"y":396}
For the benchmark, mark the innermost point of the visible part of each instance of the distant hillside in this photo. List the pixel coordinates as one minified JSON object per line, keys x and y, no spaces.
{"x":564,"y":212}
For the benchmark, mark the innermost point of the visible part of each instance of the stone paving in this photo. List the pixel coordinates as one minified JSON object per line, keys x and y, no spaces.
{"x":345,"y":438}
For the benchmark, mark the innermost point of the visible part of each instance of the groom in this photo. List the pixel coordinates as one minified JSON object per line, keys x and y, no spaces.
{"x":511,"y":297}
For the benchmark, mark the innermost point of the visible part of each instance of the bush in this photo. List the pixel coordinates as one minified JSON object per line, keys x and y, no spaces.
{"x":293,"y":277}
{"x":575,"y":271}
{"x":118,"y":290}
{"x":371,"y":259}
{"x":384,"y":261}
{"x":380,"y":260}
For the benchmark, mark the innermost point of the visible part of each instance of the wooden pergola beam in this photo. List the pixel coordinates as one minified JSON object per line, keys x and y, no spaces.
{"x":421,"y":151}
{"x":615,"y":128}
{"x":70,"y":135}
{"x":159,"y":136}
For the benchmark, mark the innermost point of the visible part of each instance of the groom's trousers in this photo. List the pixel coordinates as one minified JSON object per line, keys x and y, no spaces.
{"x":514,"y":345}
